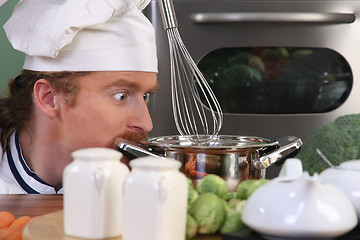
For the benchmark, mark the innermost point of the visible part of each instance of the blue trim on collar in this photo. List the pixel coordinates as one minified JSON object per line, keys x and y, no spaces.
{"x":17,"y":175}
{"x":22,"y":161}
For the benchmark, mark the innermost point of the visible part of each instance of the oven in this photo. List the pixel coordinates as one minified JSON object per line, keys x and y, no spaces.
{"x":277,"y":67}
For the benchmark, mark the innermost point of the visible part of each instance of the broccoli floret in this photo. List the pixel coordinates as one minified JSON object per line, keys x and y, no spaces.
{"x":339,"y":141}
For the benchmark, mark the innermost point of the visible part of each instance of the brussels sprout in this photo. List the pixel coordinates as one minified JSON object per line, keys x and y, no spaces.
{"x":232,"y":222}
{"x":241,"y":192}
{"x":192,"y":193}
{"x":242,"y":57}
{"x":240,"y":206}
{"x":302,"y":53}
{"x":225,"y":203}
{"x":246,"y":188}
{"x":270,"y":54}
{"x":258,"y":183}
{"x":241,"y":72}
{"x":256,"y":63}
{"x":214,"y":184}
{"x":209,"y":212}
{"x":235,"y":202}
{"x":283,"y":52}
{"x":191,"y":227}
{"x":231,"y":195}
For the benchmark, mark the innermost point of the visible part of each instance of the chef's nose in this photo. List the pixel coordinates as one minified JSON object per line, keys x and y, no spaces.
{"x":141,"y":119}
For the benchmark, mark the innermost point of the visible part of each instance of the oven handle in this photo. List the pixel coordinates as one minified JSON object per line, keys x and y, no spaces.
{"x":283,"y":17}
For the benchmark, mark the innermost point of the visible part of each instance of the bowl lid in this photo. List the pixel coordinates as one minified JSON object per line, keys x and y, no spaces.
{"x":351,"y":165}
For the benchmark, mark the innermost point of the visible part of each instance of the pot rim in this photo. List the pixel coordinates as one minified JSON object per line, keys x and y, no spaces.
{"x":220,"y":142}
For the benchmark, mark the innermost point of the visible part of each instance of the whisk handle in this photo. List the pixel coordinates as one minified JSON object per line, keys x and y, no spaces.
{"x":168,"y":14}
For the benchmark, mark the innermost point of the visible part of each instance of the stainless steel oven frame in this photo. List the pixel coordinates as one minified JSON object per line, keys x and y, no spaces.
{"x":206,"y":25}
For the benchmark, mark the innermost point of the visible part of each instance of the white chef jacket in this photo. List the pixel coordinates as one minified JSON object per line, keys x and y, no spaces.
{"x":15,"y":175}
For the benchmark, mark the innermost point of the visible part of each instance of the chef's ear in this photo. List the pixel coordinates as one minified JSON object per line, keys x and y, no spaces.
{"x":46,"y":98}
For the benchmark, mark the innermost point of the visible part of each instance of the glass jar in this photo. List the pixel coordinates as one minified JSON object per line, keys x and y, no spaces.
{"x":155,"y":200}
{"x":93,"y":186}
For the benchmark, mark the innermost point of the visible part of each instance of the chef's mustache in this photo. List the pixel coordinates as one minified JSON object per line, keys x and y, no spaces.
{"x":135,"y":137}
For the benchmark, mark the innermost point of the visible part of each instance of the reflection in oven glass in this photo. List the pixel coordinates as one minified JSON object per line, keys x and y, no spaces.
{"x":277,"y":80}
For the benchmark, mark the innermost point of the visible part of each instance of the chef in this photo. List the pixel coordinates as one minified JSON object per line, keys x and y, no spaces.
{"x":89,"y":71}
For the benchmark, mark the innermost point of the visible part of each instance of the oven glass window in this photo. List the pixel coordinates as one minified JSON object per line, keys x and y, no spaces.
{"x":277,"y":80}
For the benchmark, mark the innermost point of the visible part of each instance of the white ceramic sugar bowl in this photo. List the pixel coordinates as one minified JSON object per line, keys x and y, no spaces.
{"x":345,"y":177}
{"x":299,"y":207}
{"x":93,"y":186}
{"x":155,"y":200}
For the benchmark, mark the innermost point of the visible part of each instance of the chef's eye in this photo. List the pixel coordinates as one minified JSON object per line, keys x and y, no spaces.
{"x":121,"y":96}
{"x":147,"y":97}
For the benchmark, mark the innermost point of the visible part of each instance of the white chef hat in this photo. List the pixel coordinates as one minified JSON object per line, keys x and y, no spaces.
{"x":2,"y":2}
{"x":83,"y":35}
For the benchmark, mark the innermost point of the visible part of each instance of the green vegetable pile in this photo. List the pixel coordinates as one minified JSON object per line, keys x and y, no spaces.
{"x":211,"y":209}
{"x":339,"y":141}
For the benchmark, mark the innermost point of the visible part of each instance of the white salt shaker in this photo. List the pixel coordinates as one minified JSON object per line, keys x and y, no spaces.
{"x":93,"y":186}
{"x":155,"y":200}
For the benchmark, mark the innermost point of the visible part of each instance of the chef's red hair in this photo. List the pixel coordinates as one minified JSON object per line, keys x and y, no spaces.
{"x":16,"y":108}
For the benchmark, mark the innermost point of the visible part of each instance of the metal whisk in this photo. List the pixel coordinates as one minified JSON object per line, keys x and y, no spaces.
{"x":197,"y":112}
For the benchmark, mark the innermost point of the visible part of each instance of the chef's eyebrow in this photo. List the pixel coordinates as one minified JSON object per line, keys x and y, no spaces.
{"x":154,"y":88}
{"x":133,"y":85}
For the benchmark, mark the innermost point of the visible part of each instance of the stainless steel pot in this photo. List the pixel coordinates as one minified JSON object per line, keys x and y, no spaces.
{"x":234,"y":158}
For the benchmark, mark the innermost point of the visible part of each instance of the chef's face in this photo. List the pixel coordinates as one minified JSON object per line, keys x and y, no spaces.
{"x":109,"y":105}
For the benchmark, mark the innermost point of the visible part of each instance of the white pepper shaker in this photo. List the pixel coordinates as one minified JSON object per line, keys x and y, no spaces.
{"x":155,"y":200}
{"x":93,"y":186}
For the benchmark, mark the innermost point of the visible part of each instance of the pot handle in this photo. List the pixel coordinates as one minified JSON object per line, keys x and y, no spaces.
{"x":132,"y":151}
{"x":288,"y":146}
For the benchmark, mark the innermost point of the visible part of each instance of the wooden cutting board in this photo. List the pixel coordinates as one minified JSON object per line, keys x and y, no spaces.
{"x":51,"y":227}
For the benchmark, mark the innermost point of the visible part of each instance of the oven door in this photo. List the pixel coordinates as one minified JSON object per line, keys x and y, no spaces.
{"x":282,"y":97}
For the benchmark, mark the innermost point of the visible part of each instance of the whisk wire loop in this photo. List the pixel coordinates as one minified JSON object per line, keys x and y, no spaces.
{"x":197,"y":112}
{"x":178,"y":91}
{"x":183,"y":92}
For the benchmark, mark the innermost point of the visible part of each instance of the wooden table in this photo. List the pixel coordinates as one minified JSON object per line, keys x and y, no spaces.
{"x":31,"y":204}
{"x":40,"y":204}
